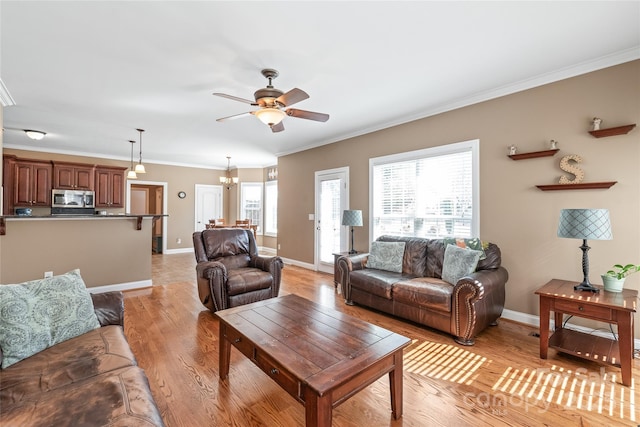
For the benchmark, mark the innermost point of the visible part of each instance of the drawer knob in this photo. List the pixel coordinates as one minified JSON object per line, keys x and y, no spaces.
{"x":581,"y":308}
{"x":237,"y":340}
{"x":274,"y":371}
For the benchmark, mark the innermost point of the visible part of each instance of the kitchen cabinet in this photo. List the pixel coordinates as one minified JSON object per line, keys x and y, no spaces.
{"x":30,"y":183}
{"x":73,"y":176}
{"x":109,"y":183}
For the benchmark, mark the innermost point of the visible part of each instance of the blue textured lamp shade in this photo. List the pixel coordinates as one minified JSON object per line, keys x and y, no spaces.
{"x":352,"y":218}
{"x":590,"y":224}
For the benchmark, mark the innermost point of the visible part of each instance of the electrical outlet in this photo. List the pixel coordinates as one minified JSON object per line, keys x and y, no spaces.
{"x":48,"y":274}
{"x":278,"y":246}
{"x":178,"y":240}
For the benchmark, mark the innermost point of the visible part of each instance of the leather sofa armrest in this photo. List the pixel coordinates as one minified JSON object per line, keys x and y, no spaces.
{"x":212,"y":278}
{"x":109,"y":308}
{"x":347,"y":264}
{"x":272,"y":265}
{"x":478,"y":300}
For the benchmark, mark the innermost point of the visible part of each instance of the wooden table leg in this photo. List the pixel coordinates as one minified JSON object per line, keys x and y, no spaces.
{"x":395,"y":384}
{"x":225,"y":352}
{"x":625,"y":343}
{"x":544,"y":326}
{"x":317,"y":409}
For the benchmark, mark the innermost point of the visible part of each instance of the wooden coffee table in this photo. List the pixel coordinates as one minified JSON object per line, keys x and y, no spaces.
{"x":318,"y":355}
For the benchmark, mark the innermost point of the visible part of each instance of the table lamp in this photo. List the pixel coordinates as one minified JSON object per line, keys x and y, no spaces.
{"x":585,"y":224}
{"x":352,"y":218}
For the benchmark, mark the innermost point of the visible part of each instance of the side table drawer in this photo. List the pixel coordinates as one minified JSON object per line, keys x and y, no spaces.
{"x":239,"y":342}
{"x":579,"y":308}
{"x":279,"y":375}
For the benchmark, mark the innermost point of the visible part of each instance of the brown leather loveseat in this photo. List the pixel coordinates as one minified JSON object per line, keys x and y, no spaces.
{"x":418,"y":293}
{"x":90,"y":380}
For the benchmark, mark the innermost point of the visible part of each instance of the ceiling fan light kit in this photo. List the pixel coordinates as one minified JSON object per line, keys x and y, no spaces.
{"x":271,"y":102}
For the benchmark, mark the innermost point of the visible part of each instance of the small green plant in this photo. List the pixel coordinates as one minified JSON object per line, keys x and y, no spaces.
{"x":620,"y":272}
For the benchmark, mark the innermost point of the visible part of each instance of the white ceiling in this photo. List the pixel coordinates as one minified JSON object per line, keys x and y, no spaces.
{"x":89,"y":73}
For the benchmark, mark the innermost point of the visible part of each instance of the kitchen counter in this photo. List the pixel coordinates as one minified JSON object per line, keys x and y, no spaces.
{"x":137,"y":217}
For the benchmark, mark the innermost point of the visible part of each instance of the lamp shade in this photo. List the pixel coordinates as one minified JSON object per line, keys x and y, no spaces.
{"x":352,"y":218}
{"x":591,"y":224}
{"x":270,"y":116}
{"x":35,"y":134}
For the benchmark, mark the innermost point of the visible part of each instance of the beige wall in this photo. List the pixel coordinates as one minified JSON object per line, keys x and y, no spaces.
{"x":517,"y":216}
{"x":107,"y":251}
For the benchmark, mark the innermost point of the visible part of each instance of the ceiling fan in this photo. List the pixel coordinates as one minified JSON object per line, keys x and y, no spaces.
{"x":272,"y":102}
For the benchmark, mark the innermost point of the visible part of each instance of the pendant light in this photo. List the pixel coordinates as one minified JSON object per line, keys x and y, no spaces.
{"x":132,"y":173}
{"x":140,"y":166}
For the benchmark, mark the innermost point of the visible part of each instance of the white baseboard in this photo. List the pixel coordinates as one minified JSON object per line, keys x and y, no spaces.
{"x":299,"y":264}
{"x":267,"y":251}
{"x":532,"y":320}
{"x":178,"y":251}
{"x":121,"y":286}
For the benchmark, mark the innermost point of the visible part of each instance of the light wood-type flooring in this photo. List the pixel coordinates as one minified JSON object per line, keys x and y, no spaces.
{"x":497,"y":382}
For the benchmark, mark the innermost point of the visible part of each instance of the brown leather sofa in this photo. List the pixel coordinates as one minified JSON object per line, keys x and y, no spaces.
{"x":229,"y":270}
{"x":419,"y":294}
{"x":89,"y":380}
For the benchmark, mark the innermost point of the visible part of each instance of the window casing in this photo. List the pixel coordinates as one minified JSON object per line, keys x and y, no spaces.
{"x":271,"y":208}
{"x":251,"y":203}
{"x":430,"y":193}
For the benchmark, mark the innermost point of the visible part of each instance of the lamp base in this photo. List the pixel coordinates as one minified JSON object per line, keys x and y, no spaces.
{"x":586,"y":287}
{"x":353,"y":251}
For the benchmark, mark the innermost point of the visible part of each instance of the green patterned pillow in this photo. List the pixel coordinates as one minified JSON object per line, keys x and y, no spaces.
{"x":458,"y":262}
{"x":386,"y":256}
{"x":38,"y":314}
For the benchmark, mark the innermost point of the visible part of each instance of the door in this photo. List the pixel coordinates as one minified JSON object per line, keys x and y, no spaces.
{"x":332,"y":196}
{"x":208,"y":204}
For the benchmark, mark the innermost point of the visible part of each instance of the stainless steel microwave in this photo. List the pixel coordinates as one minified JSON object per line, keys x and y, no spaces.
{"x":73,"y":199}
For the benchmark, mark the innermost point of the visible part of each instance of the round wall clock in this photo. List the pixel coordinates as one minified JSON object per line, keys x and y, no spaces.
{"x":182,"y":194}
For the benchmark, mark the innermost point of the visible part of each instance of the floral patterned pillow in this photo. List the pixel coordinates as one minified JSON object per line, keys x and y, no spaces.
{"x":36,"y":315}
{"x":386,"y":256}
{"x":458,"y":262}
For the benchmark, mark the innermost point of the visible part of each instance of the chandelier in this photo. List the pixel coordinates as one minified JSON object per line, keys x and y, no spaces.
{"x":228,"y":181}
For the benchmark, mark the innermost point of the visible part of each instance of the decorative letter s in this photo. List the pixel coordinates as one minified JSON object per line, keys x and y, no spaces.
{"x":573,"y":169}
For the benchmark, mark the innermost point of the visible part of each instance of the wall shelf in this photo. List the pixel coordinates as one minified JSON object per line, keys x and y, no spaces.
{"x":534,"y":154}
{"x":583,"y":186}
{"x":620,"y":130}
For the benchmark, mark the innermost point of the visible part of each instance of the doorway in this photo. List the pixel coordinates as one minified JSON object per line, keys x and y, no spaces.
{"x":208,"y":205}
{"x":148,"y":198}
{"x":331,"y":198}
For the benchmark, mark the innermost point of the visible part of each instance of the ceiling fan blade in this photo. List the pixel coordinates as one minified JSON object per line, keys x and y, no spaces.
{"x":235,"y":98}
{"x":277,"y":128}
{"x":309,"y":115}
{"x":235,"y":116}
{"x":291,"y":97}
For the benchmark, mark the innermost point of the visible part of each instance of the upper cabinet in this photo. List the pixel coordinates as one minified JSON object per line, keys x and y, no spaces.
{"x":27,"y":183}
{"x":73,"y":176}
{"x":109,"y":187}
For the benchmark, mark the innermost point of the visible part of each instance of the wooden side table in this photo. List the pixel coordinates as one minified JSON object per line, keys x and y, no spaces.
{"x":610,"y":307}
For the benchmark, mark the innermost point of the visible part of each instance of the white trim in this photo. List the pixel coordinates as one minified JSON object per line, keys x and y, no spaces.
{"x":141,"y":284}
{"x":299,"y":264}
{"x":165,"y":204}
{"x":267,"y":251}
{"x":533,"y":320}
{"x":178,"y":251}
{"x":5,"y":97}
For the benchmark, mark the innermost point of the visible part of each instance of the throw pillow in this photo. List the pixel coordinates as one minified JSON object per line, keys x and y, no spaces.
{"x":37,"y":314}
{"x":458,"y":262}
{"x":473,"y":243}
{"x":386,"y":256}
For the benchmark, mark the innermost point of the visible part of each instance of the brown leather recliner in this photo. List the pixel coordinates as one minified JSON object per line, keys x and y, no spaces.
{"x":229,"y":270}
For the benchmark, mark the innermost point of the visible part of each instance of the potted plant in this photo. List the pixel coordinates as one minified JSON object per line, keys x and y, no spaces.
{"x":613,"y":280}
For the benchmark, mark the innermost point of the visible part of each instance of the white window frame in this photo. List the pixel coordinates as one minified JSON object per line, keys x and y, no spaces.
{"x":267,"y":214}
{"x":244,"y":186}
{"x":472,"y":145}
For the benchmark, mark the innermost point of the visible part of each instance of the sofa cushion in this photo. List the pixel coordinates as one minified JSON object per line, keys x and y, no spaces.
{"x":473,"y":243}
{"x":115,"y":398}
{"x":376,"y":282}
{"x":91,"y":354}
{"x":37,"y":314}
{"x":425,"y":292}
{"x":243,"y":280}
{"x":415,"y":254}
{"x":386,"y":256}
{"x":458,"y":262}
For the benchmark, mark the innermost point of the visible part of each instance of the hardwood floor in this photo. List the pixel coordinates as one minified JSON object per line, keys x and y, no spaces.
{"x":499,"y":381}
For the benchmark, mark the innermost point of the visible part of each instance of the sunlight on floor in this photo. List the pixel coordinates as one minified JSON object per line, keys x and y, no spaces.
{"x":442,"y":361}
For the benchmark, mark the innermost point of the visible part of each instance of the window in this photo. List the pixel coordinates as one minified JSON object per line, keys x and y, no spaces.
{"x":271,"y":208}
{"x":251,"y":203}
{"x":429,"y":193}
